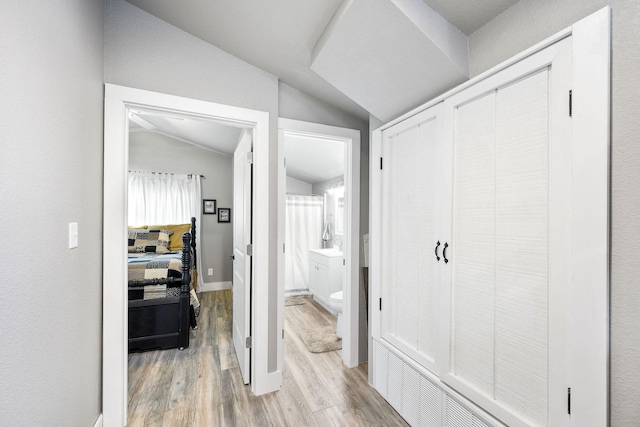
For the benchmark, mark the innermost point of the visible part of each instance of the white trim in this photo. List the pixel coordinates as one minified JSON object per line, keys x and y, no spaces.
{"x":351,"y":137}
{"x":118,"y":100}
{"x":589,"y":329}
{"x":98,"y":422}
{"x":215,"y":286}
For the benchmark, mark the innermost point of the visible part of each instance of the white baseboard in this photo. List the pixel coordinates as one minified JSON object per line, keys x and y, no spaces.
{"x":215,"y":286}
{"x":98,"y":422}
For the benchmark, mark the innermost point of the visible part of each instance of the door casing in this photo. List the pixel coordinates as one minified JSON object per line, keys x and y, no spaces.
{"x":118,"y":101}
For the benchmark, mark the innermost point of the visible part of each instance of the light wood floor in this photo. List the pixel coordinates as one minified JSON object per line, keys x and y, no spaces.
{"x":202,"y":386}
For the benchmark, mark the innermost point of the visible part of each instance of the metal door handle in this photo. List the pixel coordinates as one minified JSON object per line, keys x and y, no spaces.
{"x":444,"y":252}
{"x":233,"y":257}
{"x":436,"y":251}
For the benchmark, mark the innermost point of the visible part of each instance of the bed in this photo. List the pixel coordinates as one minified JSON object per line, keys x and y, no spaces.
{"x":162,"y":302}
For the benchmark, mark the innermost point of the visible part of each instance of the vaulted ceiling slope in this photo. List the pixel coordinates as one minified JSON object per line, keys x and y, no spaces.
{"x":379,"y":57}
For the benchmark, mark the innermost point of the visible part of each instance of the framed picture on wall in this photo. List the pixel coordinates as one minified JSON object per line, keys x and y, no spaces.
{"x":224,"y":215}
{"x":209,"y":206}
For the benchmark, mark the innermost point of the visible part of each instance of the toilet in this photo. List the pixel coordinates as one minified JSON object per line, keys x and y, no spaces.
{"x":335,"y":302}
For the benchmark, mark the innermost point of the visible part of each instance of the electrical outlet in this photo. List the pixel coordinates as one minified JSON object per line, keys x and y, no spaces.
{"x":211,"y":272}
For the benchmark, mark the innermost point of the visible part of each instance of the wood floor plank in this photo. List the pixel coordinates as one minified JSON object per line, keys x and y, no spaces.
{"x":294,"y":405}
{"x":308,"y":381}
{"x":276,"y":414}
{"x":202,"y":385}
{"x":155,"y":390}
{"x":208,"y":408}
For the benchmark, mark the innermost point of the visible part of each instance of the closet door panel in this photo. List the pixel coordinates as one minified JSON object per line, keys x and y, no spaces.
{"x":474,"y":239}
{"x":406,"y":219}
{"x":427,"y":216}
{"x":409,"y":216}
{"x":511,"y":193}
{"x":522,"y":246}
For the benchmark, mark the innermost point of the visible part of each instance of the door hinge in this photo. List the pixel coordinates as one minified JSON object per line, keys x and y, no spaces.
{"x":380,"y":304}
{"x":569,"y":401}
{"x":249,"y":249}
{"x":380,"y":163}
{"x":283,"y":334}
{"x":283,"y":248}
{"x":250,"y":157}
{"x":248,"y":342}
{"x":570,"y":103}
{"x":344,"y":261}
{"x":285,"y":162}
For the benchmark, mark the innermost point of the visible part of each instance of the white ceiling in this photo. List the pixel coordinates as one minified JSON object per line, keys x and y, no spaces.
{"x":469,"y":15}
{"x":309,"y":159}
{"x":280,"y":36}
{"x":204,"y":133}
{"x":312,"y":159}
{"x":379,"y":57}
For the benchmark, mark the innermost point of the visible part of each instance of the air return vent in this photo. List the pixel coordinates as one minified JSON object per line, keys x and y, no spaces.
{"x":420,"y":400}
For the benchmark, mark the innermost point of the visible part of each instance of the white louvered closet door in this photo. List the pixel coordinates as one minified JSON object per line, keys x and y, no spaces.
{"x":511,"y":241}
{"x":411,"y":214}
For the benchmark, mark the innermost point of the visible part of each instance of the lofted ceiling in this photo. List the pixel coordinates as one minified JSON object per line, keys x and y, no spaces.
{"x":378,"y":57}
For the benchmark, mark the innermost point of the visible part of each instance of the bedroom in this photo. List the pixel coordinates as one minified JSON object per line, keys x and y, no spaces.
{"x":162,"y":151}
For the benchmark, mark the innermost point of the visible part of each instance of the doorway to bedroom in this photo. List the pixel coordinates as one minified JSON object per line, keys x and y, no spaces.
{"x":151,"y":109}
{"x":180,"y":168}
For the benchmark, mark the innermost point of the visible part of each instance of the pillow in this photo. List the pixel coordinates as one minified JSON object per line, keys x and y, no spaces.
{"x":150,"y":240}
{"x":178,"y":230}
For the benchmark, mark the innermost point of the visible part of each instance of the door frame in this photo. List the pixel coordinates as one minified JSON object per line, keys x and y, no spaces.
{"x":118,"y":101}
{"x":351,"y":291}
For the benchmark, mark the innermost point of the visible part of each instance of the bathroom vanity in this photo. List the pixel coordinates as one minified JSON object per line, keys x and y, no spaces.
{"x":325,"y":274}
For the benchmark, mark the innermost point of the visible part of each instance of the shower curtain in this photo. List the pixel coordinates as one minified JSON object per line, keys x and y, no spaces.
{"x":303,"y":231}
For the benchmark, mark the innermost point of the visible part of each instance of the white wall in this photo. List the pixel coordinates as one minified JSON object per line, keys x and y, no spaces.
{"x":523,"y":25}
{"x":297,"y":187}
{"x":152,"y":152}
{"x":51,"y":113}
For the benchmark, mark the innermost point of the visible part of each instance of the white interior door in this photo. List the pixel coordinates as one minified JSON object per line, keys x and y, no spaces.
{"x":242,"y":174}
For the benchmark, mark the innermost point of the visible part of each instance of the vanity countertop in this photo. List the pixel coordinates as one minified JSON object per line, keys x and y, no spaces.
{"x":328,"y":252}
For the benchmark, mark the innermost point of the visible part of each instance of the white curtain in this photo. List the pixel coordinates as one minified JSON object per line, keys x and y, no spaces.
{"x":303,"y":231}
{"x":164,"y":198}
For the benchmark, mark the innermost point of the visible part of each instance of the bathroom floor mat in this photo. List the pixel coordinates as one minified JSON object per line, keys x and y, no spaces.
{"x":296,"y":300}
{"x":321,"y":339}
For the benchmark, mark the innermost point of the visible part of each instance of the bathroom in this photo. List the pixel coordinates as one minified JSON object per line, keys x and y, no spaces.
{"x":315,"y":221}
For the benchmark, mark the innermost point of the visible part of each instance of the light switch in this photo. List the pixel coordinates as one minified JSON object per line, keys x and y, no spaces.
{"x":73,"y":235}
{"x":211,"y":272}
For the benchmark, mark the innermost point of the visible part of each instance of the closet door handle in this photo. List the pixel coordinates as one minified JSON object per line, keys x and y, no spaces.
{"x":436,"y":251}
{"x":444,"y":252}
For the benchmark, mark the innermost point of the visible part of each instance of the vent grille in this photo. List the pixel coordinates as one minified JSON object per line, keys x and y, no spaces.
{"x":395,"y":382}
{"x":419,"y":400}
{"x":430,"y":404}
{"x":410,"y":394}
{"x":457,"y":415}
{"x":381,"y":368}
